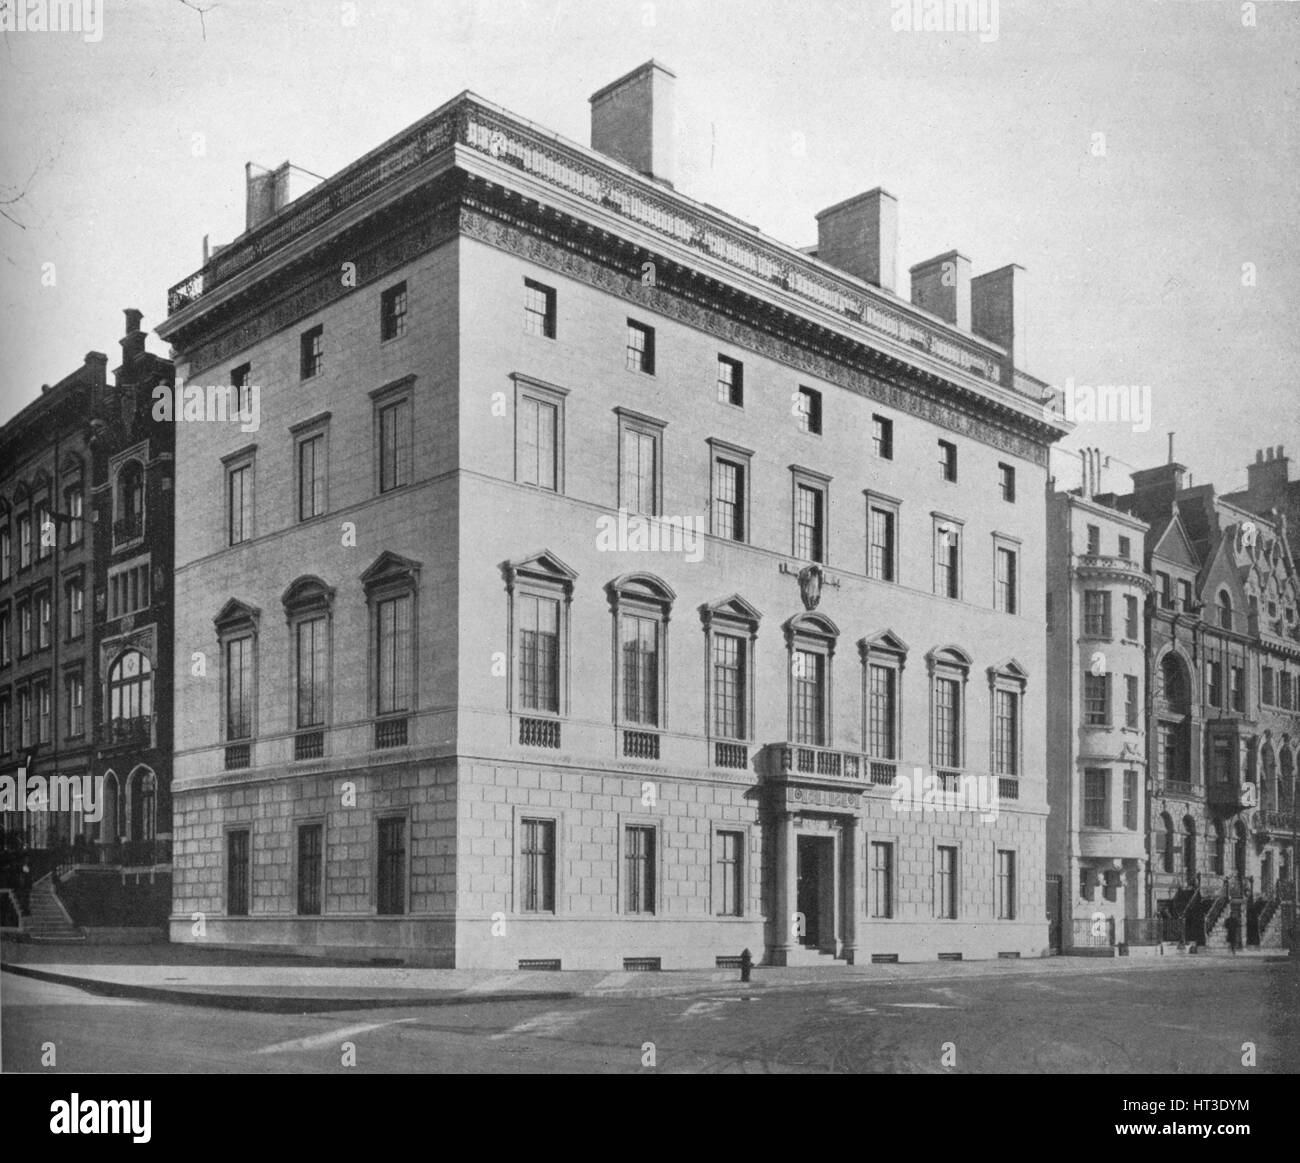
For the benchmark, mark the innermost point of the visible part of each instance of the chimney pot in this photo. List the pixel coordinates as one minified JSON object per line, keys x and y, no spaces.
{"x":633,"y":121}
{"x":860,"y":237}
{"x":942,"y":285}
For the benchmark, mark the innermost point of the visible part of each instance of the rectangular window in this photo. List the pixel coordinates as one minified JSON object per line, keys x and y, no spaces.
{"x":1266,"y":685}
{"x":312,"y":669}
{"x":1005,"y":589}
{"x":947,"y":722}
{"x":537,"y":866}
{"x":239,"y":688}
{"x":74,"y":506}
{"x":1006,"y":732}
{"x":1096,"y":699}
{"x":239,"y":502}
{"x":539,"y":309}
{"x":947,"y":460}
{"x":390,"y":899}
{"x":729,"y":869}
{"x":1221,"y":760}
{"x":1168,"y":754}
{"x":640,"y":348}
{"x":6,"y":724}
{"x":1125,"y":548}
{"x":882,"y":879}
{"x":74,"y":594}
{"x":1166,"y":590}
{"x":731,"y":382}
{"x":237,"y":873}
{"x":1130,"y":800}
{"x":128,"y":589}
{"x":539,"y":425}
{"x":392,"y":312}
{"x":809,"y":543}
{"x":1006,"y":885}
{"x":945,"y":889}
{"x":24,"y":717}
{"x":24,"y":540}
{"x":539,"y":653}
{"x":393,"y":655}
{"x":808,"y":411}
{"x":729,"y":499}
{"x":881,"y":546}
{"x":1185,"y":594}
{"x":394,"y":445}
{"x":310,"y":861}
{"x":639,"y":476}
{"x":6,"y":640}
{"x":44,"y":620}
{"x":639,"y":869}
{"x":1284,"y":690}
{"x":44,"y":531}
{"x":41,"y":693}
{"x":75,"y":697}
{"x":1214,"y":683}
{"x":6,"y":551}
{"x":1237,"y":687}
{"x":1094,"y":540}
{"x":1096,"y":613}
{"x":640,"y":656}
{"x":1131,"y":708}
{"x":24,"y":629}
{"x":239,"y":384}
{"x":882,"y":437}
{"x":1096,"y":811}
{"x":1131,"y":629}
{"x":729,"y":696}
{"x":947,"y":560}
{"x":809,"y":673}
{"x":311,"y":477}
{"x":311,"y":348}
{"x":882,"y":712}
{"x":1007,"y":482}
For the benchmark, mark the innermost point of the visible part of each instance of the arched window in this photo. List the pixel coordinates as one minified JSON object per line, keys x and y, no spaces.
{"x":1225,"y":610}
{"x":130,"y":687}
{"x":1172,"y":687}
{"x":144,"y":799}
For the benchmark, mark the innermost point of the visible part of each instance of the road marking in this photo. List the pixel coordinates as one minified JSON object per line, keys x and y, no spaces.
{"x":918,"y":1005}
{"x":548,"y":1025}
{"x":317,"y":1041}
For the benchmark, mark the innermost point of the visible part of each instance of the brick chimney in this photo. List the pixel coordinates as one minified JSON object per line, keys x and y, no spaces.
{"x":1266,"y":479}
{"x":997,"y":310}
{"x":941,"y":285}
{"x":860,"y":237}
{"x":1154,"y":489}
{"x":133,"y":339}
{"x":633,"y":121}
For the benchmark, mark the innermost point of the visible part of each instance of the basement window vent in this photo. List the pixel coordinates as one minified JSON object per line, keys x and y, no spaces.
{"x":552,"y":963}
{"x":884,"y":959}
{"x":642,"y":964}
{"x":1014,"y":956}
{"x":949,"y":956}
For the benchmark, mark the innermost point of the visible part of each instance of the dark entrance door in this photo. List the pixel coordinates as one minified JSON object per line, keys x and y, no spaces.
{"x":809,"y":894}
{"x":1054,"y":913}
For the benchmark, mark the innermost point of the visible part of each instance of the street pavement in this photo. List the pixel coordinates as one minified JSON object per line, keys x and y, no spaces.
{"x":1194,"y":1015}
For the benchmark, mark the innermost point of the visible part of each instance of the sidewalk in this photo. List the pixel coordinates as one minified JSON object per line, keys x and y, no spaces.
{"x":186,"y":975}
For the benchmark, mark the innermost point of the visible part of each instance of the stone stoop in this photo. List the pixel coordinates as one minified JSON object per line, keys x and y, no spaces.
{"x":803,"y":957}
{"x":48,"y":920}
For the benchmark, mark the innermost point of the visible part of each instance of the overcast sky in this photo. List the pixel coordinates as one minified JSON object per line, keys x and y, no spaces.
{"x":122,"y":154}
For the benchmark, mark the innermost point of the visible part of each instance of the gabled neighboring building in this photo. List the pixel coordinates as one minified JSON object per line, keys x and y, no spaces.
{"x":603,"y":571}
{"x":85,"y":631}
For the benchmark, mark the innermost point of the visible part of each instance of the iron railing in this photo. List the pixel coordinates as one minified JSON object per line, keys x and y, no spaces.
{"x":1092,"y":932}
{"x":539,"y":732}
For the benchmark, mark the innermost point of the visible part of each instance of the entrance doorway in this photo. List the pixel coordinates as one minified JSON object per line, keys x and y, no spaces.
{"x":815,"y":890}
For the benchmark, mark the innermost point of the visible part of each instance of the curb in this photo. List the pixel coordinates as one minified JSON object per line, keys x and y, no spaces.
{"x":272,"y":1004}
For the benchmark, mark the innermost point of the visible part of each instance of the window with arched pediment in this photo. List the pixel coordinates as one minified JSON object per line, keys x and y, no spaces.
{"x":641,"y":604}
{"x":811,"y":640}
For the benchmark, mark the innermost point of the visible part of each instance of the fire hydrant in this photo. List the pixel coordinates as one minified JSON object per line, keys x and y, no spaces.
{"x":746,"y":964}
